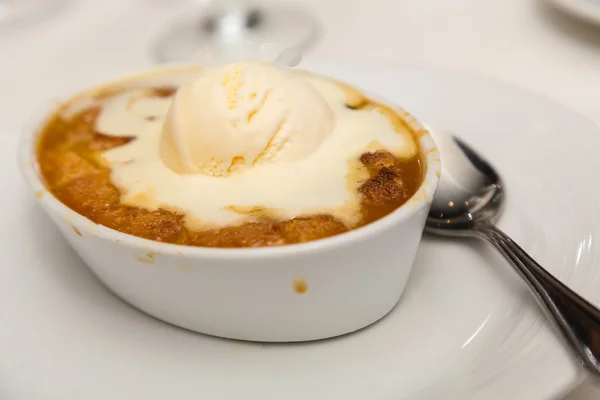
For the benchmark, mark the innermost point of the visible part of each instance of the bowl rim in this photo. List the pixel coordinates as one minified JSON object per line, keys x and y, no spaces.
{"x":29,"y":167}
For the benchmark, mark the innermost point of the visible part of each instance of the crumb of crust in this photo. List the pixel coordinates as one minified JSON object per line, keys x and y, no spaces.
{"x":159,"y":225}
{"x":67,"y":167}
{"x":92,"y":193}
{"x":299,"y":230}
{"x":378,"y":159}
{"x":250,"y":234}
{"x":386,"y":186}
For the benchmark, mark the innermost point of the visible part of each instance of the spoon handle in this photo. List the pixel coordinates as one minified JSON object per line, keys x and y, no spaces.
{"x":577,"y":320}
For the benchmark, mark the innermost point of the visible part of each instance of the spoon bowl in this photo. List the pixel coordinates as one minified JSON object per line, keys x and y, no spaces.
{"x":472,"y":193}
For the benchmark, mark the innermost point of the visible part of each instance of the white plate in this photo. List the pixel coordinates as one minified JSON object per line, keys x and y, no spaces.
{"x":465,"y":329}
{"x":586,"y":9}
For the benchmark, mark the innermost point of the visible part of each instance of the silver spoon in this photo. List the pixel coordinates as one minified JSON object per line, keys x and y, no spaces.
{"x":468,"y":201}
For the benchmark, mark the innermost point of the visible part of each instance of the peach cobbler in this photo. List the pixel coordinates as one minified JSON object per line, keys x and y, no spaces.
{"x":243,"y":155}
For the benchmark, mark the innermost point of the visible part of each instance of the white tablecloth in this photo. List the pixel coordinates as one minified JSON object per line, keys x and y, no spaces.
{"x":522,"y":41}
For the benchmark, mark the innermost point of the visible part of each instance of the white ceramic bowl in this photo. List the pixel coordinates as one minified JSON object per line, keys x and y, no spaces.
{"x":301,"y":292}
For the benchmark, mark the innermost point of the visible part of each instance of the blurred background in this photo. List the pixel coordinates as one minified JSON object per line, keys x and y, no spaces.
{"x":52,"y":46}
{"x":49,"y":48}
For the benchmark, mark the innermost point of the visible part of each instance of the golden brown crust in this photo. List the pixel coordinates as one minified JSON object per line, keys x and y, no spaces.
{"x":70,"y":153}
{"x":384,"y":187}
{"x":251,"y":234}
{"x":376,"y":160}
{"x":300,"y":230}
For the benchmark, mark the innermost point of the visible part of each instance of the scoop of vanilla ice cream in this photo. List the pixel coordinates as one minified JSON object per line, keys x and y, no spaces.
{"x":243,"y":114}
